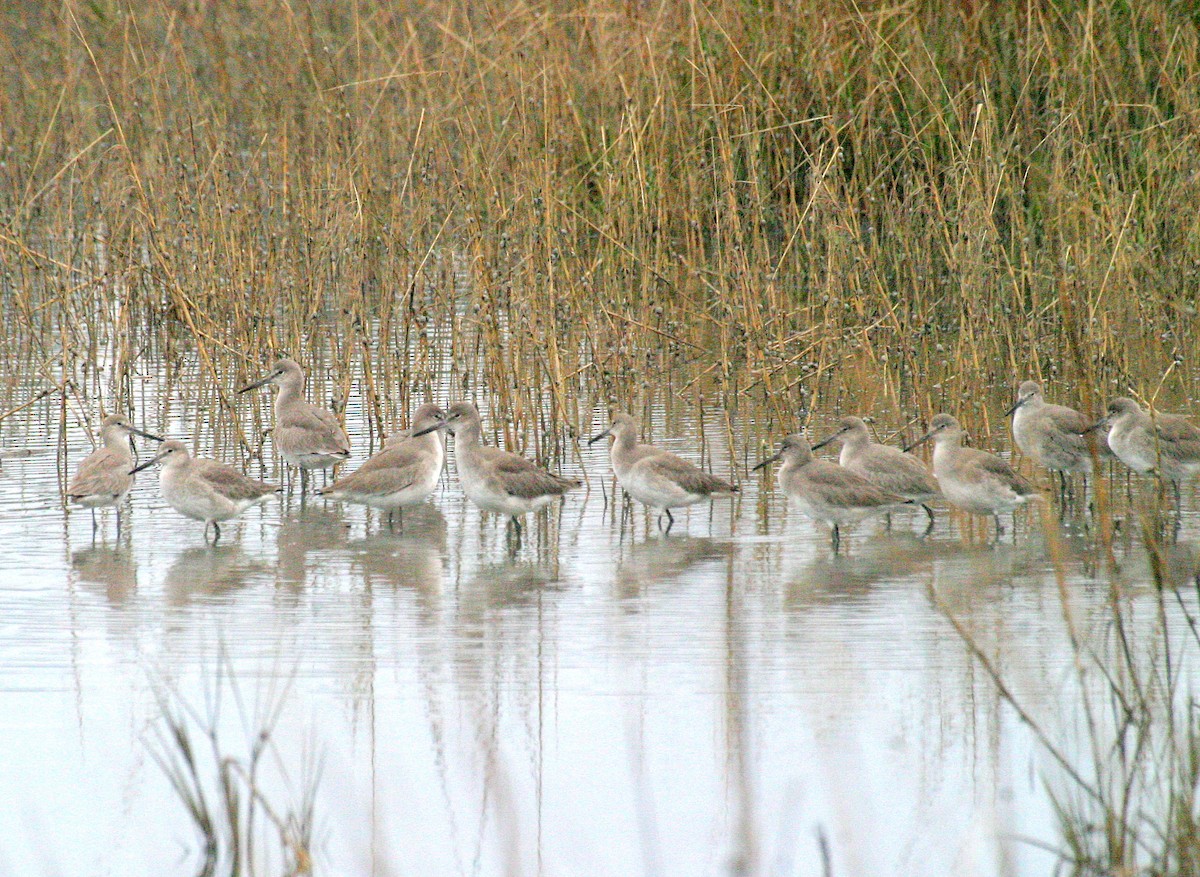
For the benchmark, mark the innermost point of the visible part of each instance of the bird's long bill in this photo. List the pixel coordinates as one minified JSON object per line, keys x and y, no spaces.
{"x":439,"y":425}
{"x":920,"y":441}
{"x":145,"y":465}
{"x":1010,"y":411}
{"x":148,"y":435}
{"x":823,"y":442}
{"x":255,"y":385}
{"x":767,"y":462}
{"x":597,"y":438}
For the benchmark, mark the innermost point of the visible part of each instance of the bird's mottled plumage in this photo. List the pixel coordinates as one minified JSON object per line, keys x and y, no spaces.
{"x":1054,"y":436}
{"x":104,"y":477}
{"x":974,"y":480}
{"x":654,"y":477}
{"x":404,"y":473}
{"x":204,"y":489}
{"x":305,"y":435}
{"x":888,"y":468}
{"x":827,"y":491}
{"x":1164,"y":443}
{"x":494,"y":479}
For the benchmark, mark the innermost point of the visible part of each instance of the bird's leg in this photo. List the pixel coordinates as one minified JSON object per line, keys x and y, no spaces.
{"x":887,"y":522}
{"x":999,"y":528}
{"x":670,"y":520}
{"x":303,"y":481}
{"x":118,"y":523}
{"x":216,"y":533}
{"x":94,"y":525}
{"x":837,"y":539}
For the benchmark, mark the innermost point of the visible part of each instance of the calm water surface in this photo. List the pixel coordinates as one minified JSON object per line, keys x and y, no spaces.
{"x":607,"y":701}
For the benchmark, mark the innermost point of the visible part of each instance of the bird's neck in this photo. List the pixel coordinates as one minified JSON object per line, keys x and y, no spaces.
{"x":468,"y":435}
{"x":116,"y":440}
{"x":855,"y":441}
{"x":289,"y":393}
{"x":944,"y":448}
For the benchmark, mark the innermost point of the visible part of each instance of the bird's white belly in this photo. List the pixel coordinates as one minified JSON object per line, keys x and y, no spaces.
{"x":654,"y":490}
{"x":192,"y":504}
{"x":819,"y":511}
{"x":198,"y":501}
{"x":1138,"y":456}
{"x":981,"y":498}
{"x":410,"y":495}
{"x":483,"y":493}
{"x":100,"y":500}
{"x":311,"y":461}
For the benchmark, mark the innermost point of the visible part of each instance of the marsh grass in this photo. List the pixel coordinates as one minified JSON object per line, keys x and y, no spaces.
{"x":566,"y":204}
{"x":1124,"y":768}
{"x":228,"y":784}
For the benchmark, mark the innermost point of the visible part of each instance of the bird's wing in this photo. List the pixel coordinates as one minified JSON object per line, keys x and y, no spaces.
{"x":838,"y":485}
{"x":894,"y":471}
{"x":1176,"y":429}
{"x":522,"y":478}
{"x":991,"y":466}
{"x":1068,"y":419}
{"x":691,"y":478}
{"x":385,"y":473}
{"x":229,"y":482}
{"x":314,"y":428}
{"x":103,"y":472}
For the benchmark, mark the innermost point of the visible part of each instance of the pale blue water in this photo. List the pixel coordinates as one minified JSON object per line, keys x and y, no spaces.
{"x":606,"y":702}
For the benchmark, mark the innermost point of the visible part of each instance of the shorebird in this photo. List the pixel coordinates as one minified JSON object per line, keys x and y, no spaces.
{"x":103,"y":478}
{"x":493,"y":479}
{"x":657,"y":478}
{"x":826,"y":491}
{"x":973,"y":480}
{"x":404,"y":473}
{"x":888,"y":468}
{"x":204,"y":489}
{"x":1054,"y":436}
{"x":1163,"y":443}
{"x":306,"y":435}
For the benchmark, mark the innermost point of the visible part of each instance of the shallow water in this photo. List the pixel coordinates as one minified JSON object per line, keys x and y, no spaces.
{"x":728,"y":698}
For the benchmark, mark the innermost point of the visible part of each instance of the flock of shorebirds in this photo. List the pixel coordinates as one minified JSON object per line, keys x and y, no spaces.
{"x":869,"y":478}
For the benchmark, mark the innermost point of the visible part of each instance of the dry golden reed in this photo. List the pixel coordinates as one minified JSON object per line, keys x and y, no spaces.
{"x":562,"y":204}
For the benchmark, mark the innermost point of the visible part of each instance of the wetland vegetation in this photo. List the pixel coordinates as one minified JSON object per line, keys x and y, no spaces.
{"x":731,"y":218}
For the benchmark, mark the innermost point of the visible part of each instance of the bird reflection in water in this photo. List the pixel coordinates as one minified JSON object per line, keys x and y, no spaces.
{"x":210,"y":571}
{"x":106,"y":569}
{"x":303,"y":538}
{"x":413,"y":558}
{"x":655,"y":561}
{"x":847,"y":578}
